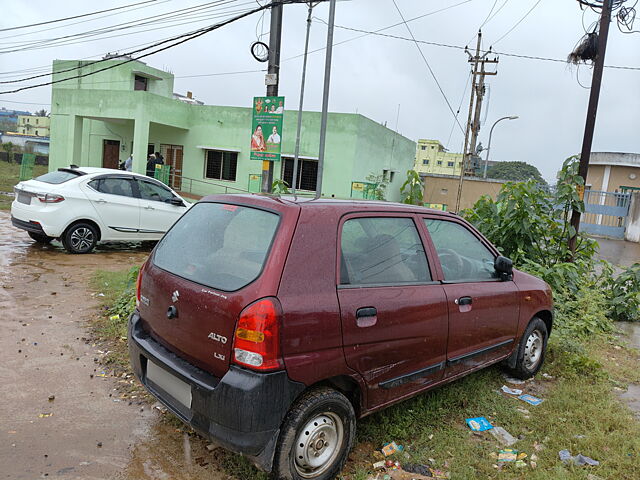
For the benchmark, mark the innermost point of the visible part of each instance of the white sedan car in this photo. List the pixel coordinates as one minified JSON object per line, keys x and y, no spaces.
{"x":82,"y":206}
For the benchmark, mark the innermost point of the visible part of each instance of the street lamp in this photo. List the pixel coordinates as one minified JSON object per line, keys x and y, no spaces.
{"x":486,"y":162}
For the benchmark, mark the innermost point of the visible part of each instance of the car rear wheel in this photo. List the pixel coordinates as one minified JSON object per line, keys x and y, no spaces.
{"x":531,"y":350}
{"x":40,"y":237}
{"x":80,"y":238}
{"x":316,"y":437}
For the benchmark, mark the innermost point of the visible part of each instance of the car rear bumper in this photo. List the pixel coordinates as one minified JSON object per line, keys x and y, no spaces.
{"x":49,"y":218}
{"x":242,"y":411}
{"x":31,"y":226}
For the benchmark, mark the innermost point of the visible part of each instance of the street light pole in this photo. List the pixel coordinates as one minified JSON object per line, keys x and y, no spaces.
{"x":486,"y":162}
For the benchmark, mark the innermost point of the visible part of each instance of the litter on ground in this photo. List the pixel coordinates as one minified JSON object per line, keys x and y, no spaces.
{"x":479,"y":424}
{"x":580,"y":460}
{"x":511,"y":391}
{"x":503,"y":436}
{"x":530,"y":399}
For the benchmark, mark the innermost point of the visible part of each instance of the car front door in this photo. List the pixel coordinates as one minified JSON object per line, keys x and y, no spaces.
{"x":116,"y":204}
{"x":394,"y":316}
{"x":483,"y":309}
{"x":156,"y":213}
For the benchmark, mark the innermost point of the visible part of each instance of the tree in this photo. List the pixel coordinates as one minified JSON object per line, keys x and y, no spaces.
{"x":41,"y":113}
{"x":9,"y":148}
{"x":412,"y":189}
{"x":515,"y":171}
{"x":380,"y":188}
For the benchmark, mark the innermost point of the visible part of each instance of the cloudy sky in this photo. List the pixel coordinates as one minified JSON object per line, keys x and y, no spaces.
{"x":374,"y":75}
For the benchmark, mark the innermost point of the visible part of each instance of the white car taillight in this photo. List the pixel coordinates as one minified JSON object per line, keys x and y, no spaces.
{"x":49,"y":198}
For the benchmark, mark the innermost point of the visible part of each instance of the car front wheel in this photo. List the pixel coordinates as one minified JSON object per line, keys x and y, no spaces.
{"x":80,"y":238}
{"x":40,"y":238}
{"x":531,"y":350}
{"x":316,"y":437}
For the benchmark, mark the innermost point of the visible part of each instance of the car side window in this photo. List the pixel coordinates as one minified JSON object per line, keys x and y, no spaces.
{"x":382,"y":250}
{"x":114,"y":186}
{"x":463,"y":257}
{"x":152,"y":191}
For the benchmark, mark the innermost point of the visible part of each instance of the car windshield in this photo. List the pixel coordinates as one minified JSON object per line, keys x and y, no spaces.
{"x":218,"y":245}
{"x":57,"y":177}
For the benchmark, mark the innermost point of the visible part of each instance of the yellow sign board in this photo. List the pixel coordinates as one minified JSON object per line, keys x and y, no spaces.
{"x":357,"y":186}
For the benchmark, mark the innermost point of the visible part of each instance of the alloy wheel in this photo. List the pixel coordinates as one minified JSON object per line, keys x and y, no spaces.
{"x":81,"y":239}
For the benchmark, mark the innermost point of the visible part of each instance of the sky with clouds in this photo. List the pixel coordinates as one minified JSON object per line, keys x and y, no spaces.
{"x":383,"y":78}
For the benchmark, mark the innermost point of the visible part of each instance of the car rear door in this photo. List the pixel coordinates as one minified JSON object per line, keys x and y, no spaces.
{"x":483,"y":309}
{"x":394,"y":316}
{"x":156,"y":214}
{"x":114,"y":198}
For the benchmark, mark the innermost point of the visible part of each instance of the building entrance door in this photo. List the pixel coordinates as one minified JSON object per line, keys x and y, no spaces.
{"x":173,"y":156}
{"x":110,"y":154}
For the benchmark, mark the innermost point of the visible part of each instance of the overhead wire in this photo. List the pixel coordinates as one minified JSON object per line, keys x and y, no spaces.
{"x":518,"y":22}
{"x":74,"y":17}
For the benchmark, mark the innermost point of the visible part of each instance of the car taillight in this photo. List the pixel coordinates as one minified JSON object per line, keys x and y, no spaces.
{"x":49,"y":198}
{"x":257,"y":341}
{"x":138,"y":283}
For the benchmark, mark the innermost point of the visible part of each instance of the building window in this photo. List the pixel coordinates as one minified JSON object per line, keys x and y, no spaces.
{"x":221,"y":165}
{"x":425,"y":162}
{"x":439,"y":163}
{"x":424,"y":147}
{"x":36,"y":133}
{"x":307,"y":173}
{"x":36,"y":121}
{"x":450,"y":164}
{"x":140,"y":83}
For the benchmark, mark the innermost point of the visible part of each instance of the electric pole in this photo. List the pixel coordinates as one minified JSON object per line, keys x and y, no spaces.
{"x":594,"y":97}
{"x":478,"y":91}
{"x":273,"y":69}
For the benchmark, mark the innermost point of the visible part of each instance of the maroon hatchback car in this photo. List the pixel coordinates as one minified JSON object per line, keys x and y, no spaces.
{"x":271,"y":324}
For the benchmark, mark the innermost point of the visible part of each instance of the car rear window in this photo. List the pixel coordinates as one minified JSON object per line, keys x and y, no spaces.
{"x":57,"y":177}
{"x":218,"y":245}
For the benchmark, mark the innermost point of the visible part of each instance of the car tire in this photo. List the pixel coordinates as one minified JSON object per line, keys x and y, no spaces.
{"x":80,"y":238}
{"x":40,"y":238}
{"x":529,"y":356}
{"x":316,"y":437}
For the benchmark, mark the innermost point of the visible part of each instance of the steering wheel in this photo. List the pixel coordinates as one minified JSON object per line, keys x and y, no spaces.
{"x":452,"y":263}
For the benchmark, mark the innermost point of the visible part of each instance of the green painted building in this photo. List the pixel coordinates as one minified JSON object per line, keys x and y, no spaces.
{"x":100,"y":119}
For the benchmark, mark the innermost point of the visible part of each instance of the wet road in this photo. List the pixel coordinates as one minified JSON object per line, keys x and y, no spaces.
{"x":632,"y":336}
{"x":619,"y":252}
{"x":86,"y":432}
{"x":45,"y":305}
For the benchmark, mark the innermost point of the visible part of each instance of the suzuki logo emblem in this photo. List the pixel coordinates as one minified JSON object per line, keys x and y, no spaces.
{"x":175,"y":296}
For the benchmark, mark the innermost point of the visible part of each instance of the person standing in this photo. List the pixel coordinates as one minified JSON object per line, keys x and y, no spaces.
{"x":128,"y":163}
{"x":151,"y":165}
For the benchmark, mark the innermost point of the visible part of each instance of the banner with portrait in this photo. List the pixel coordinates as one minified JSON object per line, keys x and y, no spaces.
{"x":266,"y":128}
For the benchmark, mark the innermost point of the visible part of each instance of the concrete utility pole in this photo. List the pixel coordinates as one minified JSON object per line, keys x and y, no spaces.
{"x":478,"y":91}
{"x":275,"y":40}
{"x":325,"y":97}
{"x":594,"y":97}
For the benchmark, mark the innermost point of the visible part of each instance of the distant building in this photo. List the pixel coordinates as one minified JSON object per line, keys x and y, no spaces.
{"x":441,"y":191}
{"x":433,"y":158}
{"x":614,"y":172}
{"x":10,"y":117}
{"x":33,"y":125}
{"x":28,"y":143}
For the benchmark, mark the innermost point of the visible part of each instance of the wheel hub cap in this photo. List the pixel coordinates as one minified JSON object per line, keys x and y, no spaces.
{"x":533,"y":350}
{"x":81,"y":238}
{"x":318,"y":444}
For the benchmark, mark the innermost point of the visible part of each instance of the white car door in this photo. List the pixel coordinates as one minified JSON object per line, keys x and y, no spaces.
{"x":157,"y":214}
{"x":114,"y":199}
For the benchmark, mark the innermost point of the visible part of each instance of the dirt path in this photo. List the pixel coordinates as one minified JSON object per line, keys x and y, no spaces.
{"x":45,"y":303}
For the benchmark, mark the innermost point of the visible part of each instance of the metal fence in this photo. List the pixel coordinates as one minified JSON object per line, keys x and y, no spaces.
{"x":605,"y":213}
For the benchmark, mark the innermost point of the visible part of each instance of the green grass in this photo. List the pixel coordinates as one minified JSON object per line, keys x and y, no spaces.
{"x":9,"y":177}
{"x":580,"y":413}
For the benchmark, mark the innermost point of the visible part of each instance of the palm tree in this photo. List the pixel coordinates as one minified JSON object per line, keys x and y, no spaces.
{"x":41,"y":113}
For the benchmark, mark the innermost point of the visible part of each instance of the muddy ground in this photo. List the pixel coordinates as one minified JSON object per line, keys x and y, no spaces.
{"x":85,"y":431}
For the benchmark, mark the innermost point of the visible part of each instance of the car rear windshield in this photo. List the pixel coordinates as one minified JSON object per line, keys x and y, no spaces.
{"x":57,"y":177}
{"x":218,"y":245}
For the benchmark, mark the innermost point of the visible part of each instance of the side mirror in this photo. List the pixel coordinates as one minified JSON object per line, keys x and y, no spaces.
{"x":176,"y":201}
{"x":504,"y":267}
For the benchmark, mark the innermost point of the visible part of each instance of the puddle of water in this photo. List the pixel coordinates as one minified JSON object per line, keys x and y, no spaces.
{"x":631,"y":331}
{"x":632,"y":398}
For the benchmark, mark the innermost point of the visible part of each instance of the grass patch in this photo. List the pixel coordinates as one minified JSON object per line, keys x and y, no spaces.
{"x":580,"y":413}
{"x":10,"y":176}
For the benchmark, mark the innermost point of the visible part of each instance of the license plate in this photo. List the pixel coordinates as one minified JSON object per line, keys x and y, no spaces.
{"x":24,"y":198}
{"x":175,"y":387}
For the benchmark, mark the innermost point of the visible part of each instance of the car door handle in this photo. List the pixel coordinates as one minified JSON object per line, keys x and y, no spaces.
{"x":464,"y":301}
{"x":366,"y":317}
{"x":149,"y":207}
{"x":101,"y":200}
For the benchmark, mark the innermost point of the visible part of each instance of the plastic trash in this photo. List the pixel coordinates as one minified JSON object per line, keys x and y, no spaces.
{"x":511,"y":391}
{"x":530,"y":399}
{"x":580,"y":460}
{"x":513,"y":381}
{"x":479,"y":424}
{"x":507,"y":455}
{"x":391,"y":448}
{"x":503,"y":436}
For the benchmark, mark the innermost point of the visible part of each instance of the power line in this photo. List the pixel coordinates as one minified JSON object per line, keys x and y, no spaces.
{"x":76,"y":16}
{"x":427,"y":64}
{"x":518,"y":22}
